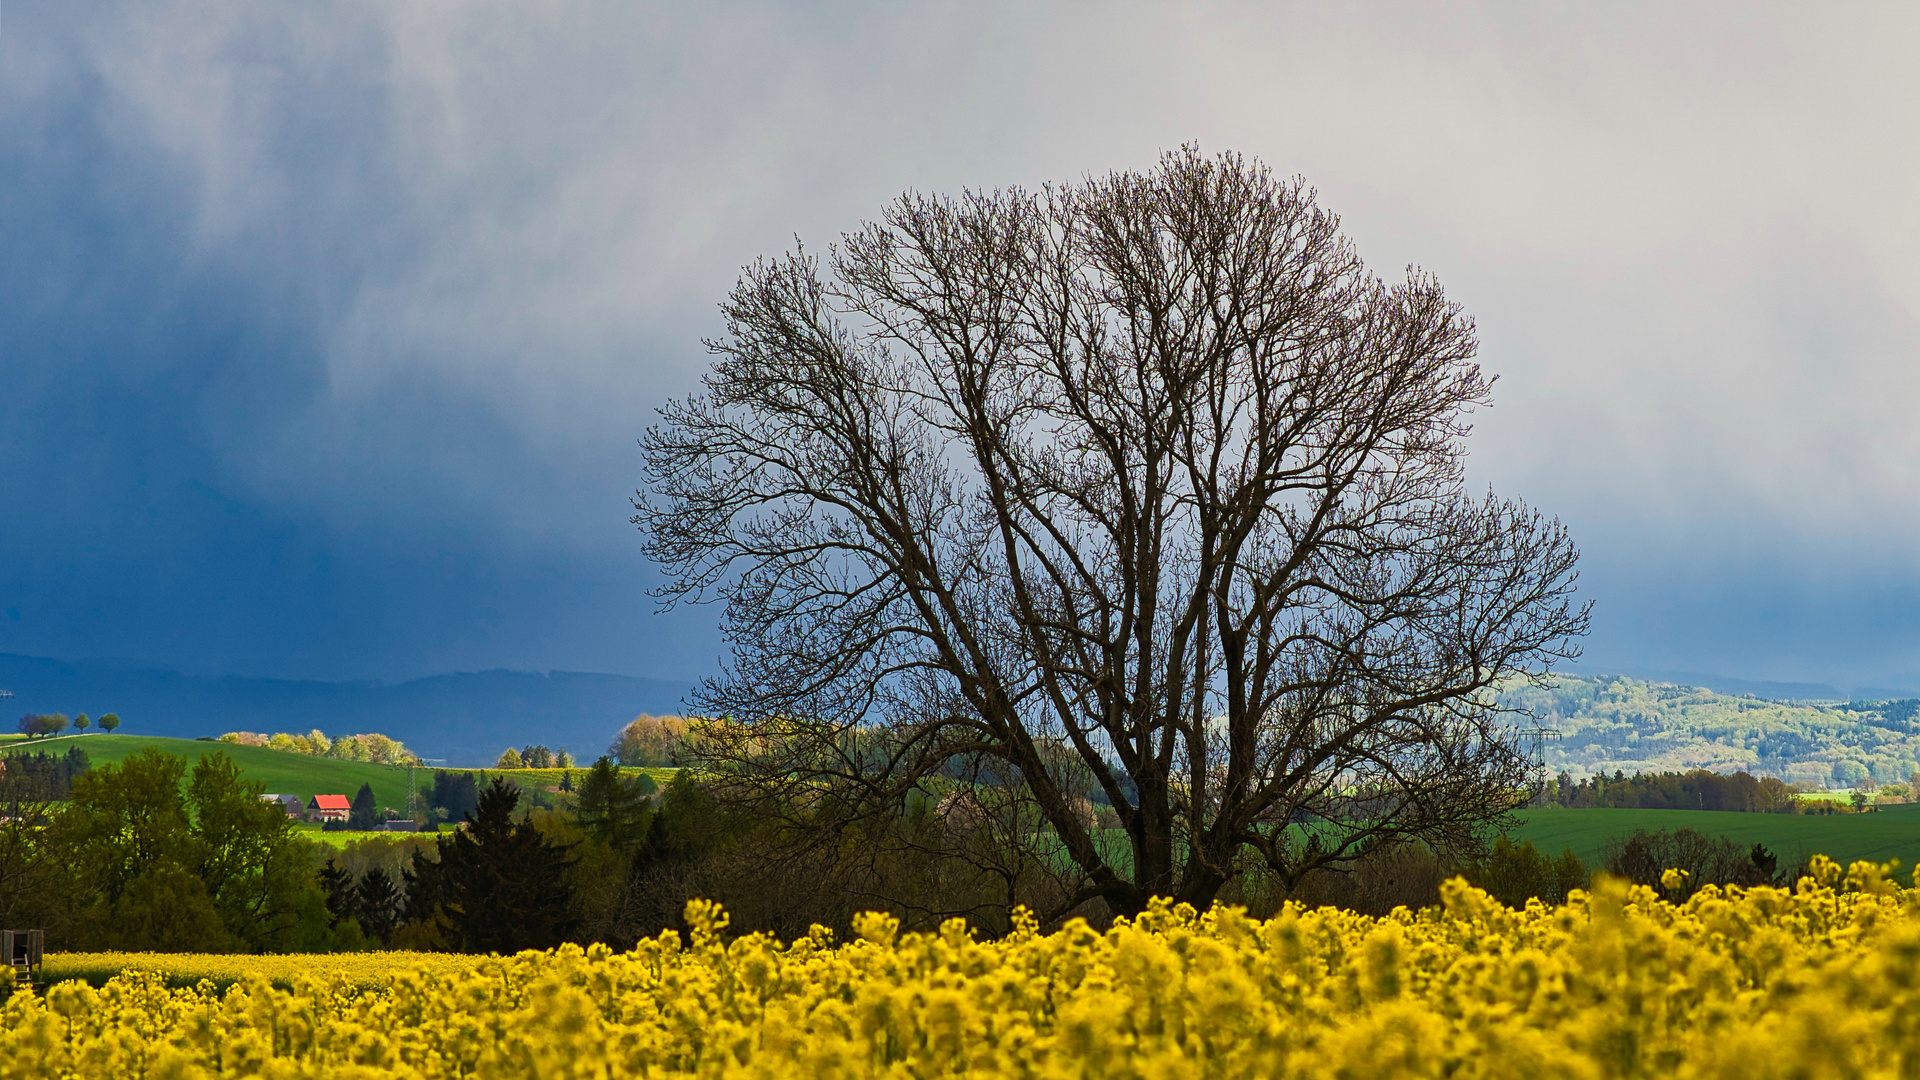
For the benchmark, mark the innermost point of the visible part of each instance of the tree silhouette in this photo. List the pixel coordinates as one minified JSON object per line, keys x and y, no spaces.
{"x":338,"y":885}
{"x":377,"y":903}
{"x":506,"y":886}
{"x":1140,"y":488}
{"x":365,"y":814}
{"x":613,"y":809}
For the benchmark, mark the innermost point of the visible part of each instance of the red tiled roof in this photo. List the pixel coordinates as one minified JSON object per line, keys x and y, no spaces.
{"x":331,"y":802}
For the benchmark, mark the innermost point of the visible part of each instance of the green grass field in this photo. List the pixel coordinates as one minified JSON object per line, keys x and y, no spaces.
{"x":1891,"y":833}
{"x":282,"y":771}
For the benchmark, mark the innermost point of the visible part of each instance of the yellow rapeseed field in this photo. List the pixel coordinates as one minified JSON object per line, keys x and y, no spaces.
{"x":1819,"y":981}
{"x":367,"y":970}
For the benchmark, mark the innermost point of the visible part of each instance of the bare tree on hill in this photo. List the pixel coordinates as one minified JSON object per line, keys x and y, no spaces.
{"x":1137,"y":492}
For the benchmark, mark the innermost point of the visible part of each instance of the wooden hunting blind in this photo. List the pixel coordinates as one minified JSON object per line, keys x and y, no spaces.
{"x":23,"y":950}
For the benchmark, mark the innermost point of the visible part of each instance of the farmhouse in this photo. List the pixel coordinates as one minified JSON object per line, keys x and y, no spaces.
{"x":329,"y":808}
{"x":292,"y":804}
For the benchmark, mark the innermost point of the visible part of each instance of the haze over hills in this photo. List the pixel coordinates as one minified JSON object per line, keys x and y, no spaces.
{"x":1610,"y":723}
{"x":1607,"y":723}
{"x":465,"y":718}
{"x":1760,"y":688}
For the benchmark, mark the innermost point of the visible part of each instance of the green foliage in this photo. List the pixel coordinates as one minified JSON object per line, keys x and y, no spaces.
{"x":132,"y":835}
{"x":165,"y":909}
{"x":124,"y":820}
{"x":255,"y":865}
{"x":504,"y":887}
{"x":650,"y":741}
{"x":35,"y":724}
{"x":361,"y":907}
{"x":1645,"y":858}
{"x":613,"y":809}
{"x":40,"y":777}
{"x":376,"y":903}
{"x":454,"y":797}
{"x":1700,"y":789}
{"x":110,"y":722}
{"x":1515,"y":873}
{"x":365,"y":815}
{"x":1611,"y":724}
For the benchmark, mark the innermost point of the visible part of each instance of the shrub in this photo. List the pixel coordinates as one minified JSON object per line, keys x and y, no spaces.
{"x":1645,"y":857}
{"x":1515,"y":873}
{"x":650,"y":741}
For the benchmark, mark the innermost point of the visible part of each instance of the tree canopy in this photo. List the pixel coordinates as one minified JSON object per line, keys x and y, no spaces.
{"x":1139,"y":491}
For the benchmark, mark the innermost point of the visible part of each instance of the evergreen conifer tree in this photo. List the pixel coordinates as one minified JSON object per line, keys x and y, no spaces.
{"x":341,"y":899}
{"x":612,"y":809}
{"x":377,"y":901}
{"x":365,"y":814}
{"x":506,"y":885}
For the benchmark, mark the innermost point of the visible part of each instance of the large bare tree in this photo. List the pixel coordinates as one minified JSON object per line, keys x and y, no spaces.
{"x":1140,"y":490}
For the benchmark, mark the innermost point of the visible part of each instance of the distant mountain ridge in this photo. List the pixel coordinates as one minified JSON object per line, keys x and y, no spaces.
{"x":465,"y":718}
{"x":1606,"y":722}
{"x":1771,"y":691}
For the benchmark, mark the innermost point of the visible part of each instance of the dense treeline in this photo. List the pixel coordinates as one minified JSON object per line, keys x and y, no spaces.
{"x":39,"y":777}
{"x":371,"y":747}
{"x":151,"y":855}
{"x":615,"y":863}
{"x":1700,"y":789}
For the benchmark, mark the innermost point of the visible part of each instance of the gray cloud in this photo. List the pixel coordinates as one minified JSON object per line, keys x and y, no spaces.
{"x":470,"y":247}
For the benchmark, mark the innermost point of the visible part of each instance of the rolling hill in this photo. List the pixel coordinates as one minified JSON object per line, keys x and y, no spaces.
{"x":1605,"y":723}
{"x":283,"y":772}
{"x":1611,"y":723}
{"x":465,"y":719}
{"x":1892,"y":832}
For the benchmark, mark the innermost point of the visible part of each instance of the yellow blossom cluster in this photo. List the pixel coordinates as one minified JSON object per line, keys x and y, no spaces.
{"x":1821,"y":980}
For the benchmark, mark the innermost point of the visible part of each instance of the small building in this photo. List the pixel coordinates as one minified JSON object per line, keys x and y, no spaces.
{"x":292,"y":804}
{"x":400,"y":825}
{"x":329,"y":808}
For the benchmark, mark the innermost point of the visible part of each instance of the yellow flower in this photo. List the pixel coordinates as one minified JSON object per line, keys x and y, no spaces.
{"x":1822,"y":979}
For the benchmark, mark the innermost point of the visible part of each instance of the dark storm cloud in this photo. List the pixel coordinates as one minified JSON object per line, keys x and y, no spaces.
{"x":181,"y":483}
{"x":326,"y":329}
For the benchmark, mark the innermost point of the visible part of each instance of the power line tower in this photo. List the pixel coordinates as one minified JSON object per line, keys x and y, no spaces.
{"x":1537,"y":738}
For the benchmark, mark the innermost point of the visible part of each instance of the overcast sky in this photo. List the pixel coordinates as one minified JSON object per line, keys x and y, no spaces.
{"x":326,"y":329}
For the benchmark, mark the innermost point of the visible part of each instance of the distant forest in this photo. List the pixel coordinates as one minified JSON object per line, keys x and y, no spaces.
{"x":1614,"y":724}
{"x":1700,"y":789}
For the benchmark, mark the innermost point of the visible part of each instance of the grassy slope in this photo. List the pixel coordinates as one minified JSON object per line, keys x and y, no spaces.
{"x":283,"y":772}
{"x":1892,"y":833}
